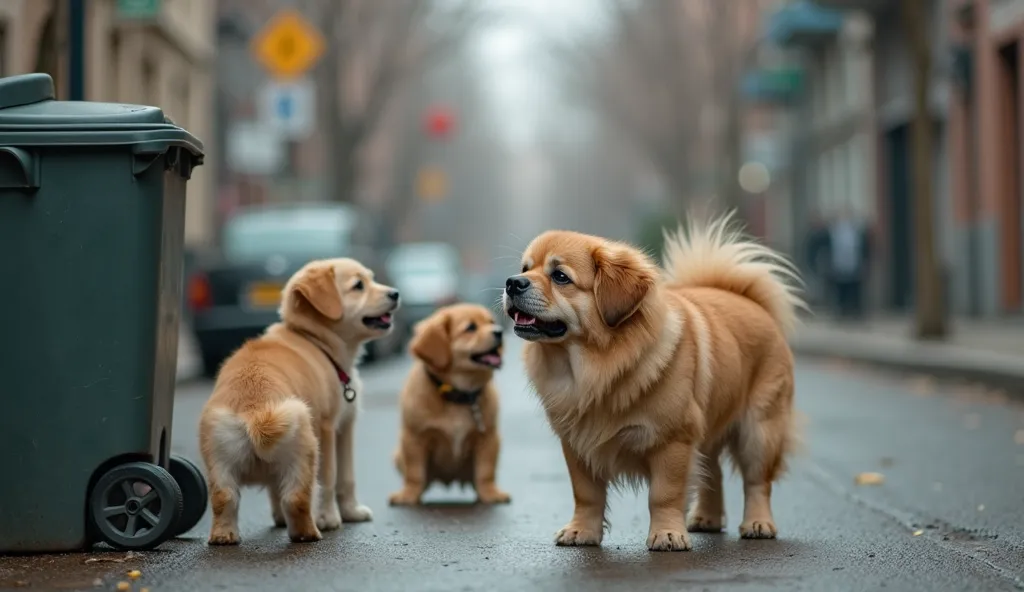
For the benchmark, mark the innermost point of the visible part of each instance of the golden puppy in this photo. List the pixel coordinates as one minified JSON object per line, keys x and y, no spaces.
{"x":283,"y":408}
{"x":449,"y":405}
{"x":643,"y":372}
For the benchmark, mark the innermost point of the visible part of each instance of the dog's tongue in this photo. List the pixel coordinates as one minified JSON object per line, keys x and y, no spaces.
{"x":492,"y":359}
{"x":524,"y":319}
{"x":386,"y":317}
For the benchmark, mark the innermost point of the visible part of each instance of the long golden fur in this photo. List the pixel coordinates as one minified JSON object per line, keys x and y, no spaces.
{"x":645,"y":372}
{"x":278,"y":416}
{"x":457,"y":350}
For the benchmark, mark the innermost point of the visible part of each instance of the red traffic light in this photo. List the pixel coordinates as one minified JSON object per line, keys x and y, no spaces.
{"x":439,"y":122}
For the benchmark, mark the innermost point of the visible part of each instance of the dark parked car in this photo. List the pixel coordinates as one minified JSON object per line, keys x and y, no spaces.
{"x":428,"y":276}
{"x":234,"y":292}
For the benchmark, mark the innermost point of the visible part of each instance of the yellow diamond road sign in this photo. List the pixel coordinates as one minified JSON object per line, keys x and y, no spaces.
{"x":289,"y":45}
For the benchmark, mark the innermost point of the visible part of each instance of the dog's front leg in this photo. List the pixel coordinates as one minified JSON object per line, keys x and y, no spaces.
{"x":590,"y":495}
{"x":351,"y":509}
{"x":414,"y":464}
{"x":669,"y":468}
{"x":327,"y":516}
{"x":485,"y":468}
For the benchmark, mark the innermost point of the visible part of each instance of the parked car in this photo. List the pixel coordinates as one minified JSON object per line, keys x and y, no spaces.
{"x":233,"y":292}
{"x":428,"y":276}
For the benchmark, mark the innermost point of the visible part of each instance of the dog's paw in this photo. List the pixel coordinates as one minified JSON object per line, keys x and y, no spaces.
{"x":574,"y":535}
{"x":493,"y":495}
{"x":758,"y":529}
{"x":224,"y":537}
{"x":356,"y":513}
{"x":305,"y":535}
{"x":668,"y":540}
{"x":700,"y":522}
{"x":404,"y":498}
{"x":328,"y":518}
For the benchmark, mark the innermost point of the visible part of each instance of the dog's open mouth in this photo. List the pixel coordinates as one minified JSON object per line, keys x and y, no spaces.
{"x":491,"y":358}
{"x":530,"y":327}
{"x":382,"y":322}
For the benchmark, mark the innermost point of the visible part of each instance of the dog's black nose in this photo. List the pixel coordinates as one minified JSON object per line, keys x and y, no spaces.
{"x":516,"y":284}
{"x":394,"y":295}
{"x":497,"y":335}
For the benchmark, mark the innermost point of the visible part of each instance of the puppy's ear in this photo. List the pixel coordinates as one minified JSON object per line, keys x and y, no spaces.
{"x":624,"y":277}
{"x":317,"y":287}
{"x":431,"y":342}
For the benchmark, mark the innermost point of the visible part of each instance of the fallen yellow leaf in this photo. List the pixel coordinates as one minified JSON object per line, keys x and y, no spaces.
{"x":918,"y":532}
{"x":869,"y":479}
{"x":124,"y":586}
{"x":135,"y":574}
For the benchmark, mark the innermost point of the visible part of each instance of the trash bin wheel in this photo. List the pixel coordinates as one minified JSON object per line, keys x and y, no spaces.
{"x":135,"y":506}
{"x":193,"y":492}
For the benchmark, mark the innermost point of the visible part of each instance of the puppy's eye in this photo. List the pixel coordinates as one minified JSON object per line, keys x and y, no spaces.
{"x":471,"y":328}
{"x":358,"y":285}
{"x":526,"y":268}
{"x":560,"y":278}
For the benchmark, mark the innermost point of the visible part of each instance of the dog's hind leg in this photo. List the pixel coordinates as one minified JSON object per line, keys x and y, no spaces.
{"x":296,"y":467}
{"x":276,"y":509}
{"x":707,"y":514}
{"x":224,"y":448}
{"x":759,"y":446}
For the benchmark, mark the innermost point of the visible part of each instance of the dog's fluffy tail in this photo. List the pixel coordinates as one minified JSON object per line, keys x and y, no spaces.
{"x":265,"y":429}
{"x":717,"y":254}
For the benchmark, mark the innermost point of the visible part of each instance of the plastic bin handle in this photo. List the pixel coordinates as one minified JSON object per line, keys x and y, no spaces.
{"x":19,"y":169}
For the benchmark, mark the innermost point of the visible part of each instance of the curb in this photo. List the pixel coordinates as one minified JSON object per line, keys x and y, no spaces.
{"x":940,"y":360}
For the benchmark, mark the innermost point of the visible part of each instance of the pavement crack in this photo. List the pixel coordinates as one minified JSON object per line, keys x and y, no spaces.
{"x":959,"y":540}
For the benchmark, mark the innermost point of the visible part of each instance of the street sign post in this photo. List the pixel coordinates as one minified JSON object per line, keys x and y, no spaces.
{"x":289,"y":107}
{"x":288,"y":46}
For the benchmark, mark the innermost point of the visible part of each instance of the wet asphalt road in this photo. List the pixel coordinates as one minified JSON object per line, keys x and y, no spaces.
{"x":948,"y":516}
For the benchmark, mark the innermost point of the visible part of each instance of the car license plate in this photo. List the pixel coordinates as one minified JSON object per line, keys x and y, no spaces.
{"x":265,"y":295}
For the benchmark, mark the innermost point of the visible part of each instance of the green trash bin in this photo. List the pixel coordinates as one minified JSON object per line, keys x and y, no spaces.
{"x":92,"y":209}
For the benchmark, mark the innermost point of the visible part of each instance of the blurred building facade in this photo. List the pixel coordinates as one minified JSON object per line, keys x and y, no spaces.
{"x":160,"y":55}
{"x":853,"y":142}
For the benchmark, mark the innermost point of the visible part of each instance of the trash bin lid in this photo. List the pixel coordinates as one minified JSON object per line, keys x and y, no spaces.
{"x":30,"y":115}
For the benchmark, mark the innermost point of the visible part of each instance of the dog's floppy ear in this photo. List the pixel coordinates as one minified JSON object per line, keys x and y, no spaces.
{"x":624,"y":277}
{"x":431,"y":341}
{"x":316,"y":286}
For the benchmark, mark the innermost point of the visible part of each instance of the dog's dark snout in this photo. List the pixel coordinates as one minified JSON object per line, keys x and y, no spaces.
{"x":497,"y":336}
{"x":516,"y":284}
{"x":394,"y":295}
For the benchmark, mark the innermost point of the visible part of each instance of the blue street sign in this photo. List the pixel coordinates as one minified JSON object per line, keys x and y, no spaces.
{"x":289,"y":107}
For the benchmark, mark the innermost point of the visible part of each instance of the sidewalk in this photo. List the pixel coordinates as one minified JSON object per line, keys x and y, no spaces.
{"x":984,"y":351}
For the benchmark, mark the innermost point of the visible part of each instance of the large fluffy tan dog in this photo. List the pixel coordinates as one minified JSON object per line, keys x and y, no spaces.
{"x":283,"y":409}
{"x":449,"y":406}
{"x":643,"y":372}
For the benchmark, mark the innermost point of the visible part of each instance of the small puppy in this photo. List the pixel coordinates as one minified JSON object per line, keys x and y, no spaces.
{"x":644,"y":372}
{"x":283,"y":409}
{"x":449,"y":405}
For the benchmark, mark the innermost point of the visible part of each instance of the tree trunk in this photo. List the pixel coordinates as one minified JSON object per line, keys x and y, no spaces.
{"x":930,"y":321}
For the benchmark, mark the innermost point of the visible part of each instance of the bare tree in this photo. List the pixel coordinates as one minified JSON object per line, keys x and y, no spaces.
{"x":666,"y":73}
{"x":373,"y":47}
{"x":930,"y":318}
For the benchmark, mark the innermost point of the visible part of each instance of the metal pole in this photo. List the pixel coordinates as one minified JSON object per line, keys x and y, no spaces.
{"x":76,"y":50}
